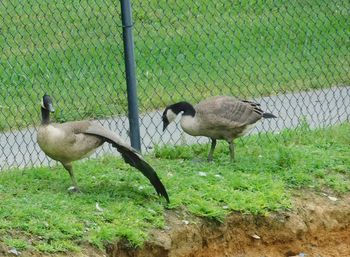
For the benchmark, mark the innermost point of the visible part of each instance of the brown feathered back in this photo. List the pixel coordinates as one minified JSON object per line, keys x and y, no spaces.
{"x":228,"y":111}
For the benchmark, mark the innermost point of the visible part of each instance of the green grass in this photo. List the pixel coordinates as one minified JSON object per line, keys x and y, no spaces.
{"x":74,"y":51}
{"x":37,"y":213}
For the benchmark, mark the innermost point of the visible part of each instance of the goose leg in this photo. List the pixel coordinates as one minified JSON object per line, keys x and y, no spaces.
{"x":232,"y":150}
{"x":74,"y":188}
{"x":212,"y":147}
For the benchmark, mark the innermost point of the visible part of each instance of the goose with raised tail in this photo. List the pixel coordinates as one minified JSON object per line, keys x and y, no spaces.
{"x":219,"y":118}
{"x":71,"y":141}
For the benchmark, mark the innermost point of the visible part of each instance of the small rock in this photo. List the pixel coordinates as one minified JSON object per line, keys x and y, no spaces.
{"x":72,"y":188}
{"x":332,"y":198}
{"x":255,"y":236}
{"x":98,"y":207}
{"x":225,"y":207}
{"x":218,"y":175}
{"x":299,"y":255}
{"x":167,"y":228}
{"x":202,"y":174}
{"x":151,"y":211}
{"x":186,"y":222}
{"x":14,"y":251}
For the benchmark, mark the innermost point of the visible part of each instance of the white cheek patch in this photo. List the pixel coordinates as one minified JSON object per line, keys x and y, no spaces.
{"x":42,"y":104}
{"x":170,"y":115}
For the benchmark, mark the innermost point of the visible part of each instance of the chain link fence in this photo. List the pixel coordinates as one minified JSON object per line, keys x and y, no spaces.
{"x":291,"y":56}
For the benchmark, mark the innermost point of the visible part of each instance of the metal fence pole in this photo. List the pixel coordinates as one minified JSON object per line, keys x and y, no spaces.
{"x":130,"y":74}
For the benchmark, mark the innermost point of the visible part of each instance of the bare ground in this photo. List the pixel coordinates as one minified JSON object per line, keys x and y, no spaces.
{"x":317,"y":226}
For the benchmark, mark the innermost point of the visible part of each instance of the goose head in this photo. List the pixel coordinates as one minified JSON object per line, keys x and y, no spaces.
{"x":168,"y":117}
{"x":46,"y":103}
{"x":46,"y":109}
{"x":171,"y":111}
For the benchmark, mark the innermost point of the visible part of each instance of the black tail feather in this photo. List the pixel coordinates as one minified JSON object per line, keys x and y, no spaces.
{"x":267,"y":115}
{"x":134,"y":160}
{"x":131,"y":157}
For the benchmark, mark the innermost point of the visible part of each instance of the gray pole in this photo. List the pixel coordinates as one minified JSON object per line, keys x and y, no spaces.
{"x":129,"y":58}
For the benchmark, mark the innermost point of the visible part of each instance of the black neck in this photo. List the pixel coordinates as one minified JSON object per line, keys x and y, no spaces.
{"x":45,"y":116}
{"x":184,"y":107}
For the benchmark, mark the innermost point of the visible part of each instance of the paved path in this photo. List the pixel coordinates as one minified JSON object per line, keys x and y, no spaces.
{"x":320,"y":108}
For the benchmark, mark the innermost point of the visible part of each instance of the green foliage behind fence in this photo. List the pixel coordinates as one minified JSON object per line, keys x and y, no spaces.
{"x":74,"y":51}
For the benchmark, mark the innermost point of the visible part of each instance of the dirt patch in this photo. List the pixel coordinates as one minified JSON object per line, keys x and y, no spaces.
{"x":316,"y":227}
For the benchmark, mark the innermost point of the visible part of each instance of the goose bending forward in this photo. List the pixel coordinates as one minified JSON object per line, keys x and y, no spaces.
{"x":71,"y":141}
{"x":219,"y":118}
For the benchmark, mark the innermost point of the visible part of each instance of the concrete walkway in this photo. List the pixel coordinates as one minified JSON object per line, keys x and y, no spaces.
{"x":320,"y":108}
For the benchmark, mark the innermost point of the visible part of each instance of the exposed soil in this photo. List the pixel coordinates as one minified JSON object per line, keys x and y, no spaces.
{"x":316,"y":227}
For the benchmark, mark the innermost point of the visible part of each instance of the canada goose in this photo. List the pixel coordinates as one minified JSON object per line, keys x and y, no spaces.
{"x":219,"y":117}
{"x":71,"y":141}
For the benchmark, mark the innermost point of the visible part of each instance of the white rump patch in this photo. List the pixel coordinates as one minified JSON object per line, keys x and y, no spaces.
{"x":247,"y":129}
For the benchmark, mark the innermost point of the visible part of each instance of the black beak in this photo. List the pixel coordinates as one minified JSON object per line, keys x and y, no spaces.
{"x":165,"y":125}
